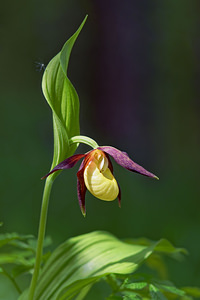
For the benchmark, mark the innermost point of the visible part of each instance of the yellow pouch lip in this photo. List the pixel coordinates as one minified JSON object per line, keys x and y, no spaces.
{"x":99,"y":180}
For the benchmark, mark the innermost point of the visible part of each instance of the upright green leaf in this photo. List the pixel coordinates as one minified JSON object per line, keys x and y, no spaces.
{"x":63,"y":100}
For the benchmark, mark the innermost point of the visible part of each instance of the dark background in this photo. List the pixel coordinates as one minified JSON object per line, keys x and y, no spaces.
{"x":136,"y":69}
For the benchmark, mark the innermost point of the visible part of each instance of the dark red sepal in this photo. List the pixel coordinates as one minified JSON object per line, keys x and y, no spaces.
{"x":66,"y":164}
{"x":123,"y":160}
{"x":119,"y":196}
{"x":81,"y":188}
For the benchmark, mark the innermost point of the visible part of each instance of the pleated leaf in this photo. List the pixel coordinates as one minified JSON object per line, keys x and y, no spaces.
{"x":63,"y":100}
{"x":82,"y":260}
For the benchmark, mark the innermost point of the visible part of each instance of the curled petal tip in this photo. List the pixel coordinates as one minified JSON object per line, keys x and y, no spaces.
{"x":83,"y":211}
{"x":156,"y":177}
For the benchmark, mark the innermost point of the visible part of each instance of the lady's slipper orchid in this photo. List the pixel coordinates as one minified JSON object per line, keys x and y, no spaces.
{"x":96,"y":173}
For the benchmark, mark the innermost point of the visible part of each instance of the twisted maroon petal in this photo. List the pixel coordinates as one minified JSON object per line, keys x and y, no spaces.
{"x":66,"y":164}
{"x":119,"y":196}
{"x":123,"y":160}
{"x":81,"y":188}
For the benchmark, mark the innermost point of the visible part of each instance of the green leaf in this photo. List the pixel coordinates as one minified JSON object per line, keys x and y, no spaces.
{"x":63,"y":100}
{"x":132,"y":297}
{"x":156,"y":293}
{"x":24,"y":295}
{"x":169,"y":287}
{"x":163,"y":247}
{"x":83,"y":260}
{"x":84,"y":292}
{"x":22,"y":269}
{"x":13,"y":238}
{"x":136,"y":285}
{"x":13,"y":258}
{"x":167,"y":248}
{"x":19,"y":251}
{"x":113,"y":282}
{"x":157,"y":263}
{"x":192,"y":291}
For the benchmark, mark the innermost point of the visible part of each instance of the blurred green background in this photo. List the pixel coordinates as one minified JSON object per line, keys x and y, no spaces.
{"x":136,"y":69}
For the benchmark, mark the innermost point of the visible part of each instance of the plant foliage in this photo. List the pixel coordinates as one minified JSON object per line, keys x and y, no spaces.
{"x":77,"y":264}
{"x":63,"y":100}
{"x":80,"y":262}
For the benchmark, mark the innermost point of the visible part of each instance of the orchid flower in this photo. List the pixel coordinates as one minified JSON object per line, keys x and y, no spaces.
{"x":96,"y":173}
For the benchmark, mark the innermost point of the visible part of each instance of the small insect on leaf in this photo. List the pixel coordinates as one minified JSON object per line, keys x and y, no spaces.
{"x":40,"y":66}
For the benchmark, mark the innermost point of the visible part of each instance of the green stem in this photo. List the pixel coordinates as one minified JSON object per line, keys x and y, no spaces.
{"x":41,"y":235}
{"x":43,"y":215}
{"x":83,"y":139}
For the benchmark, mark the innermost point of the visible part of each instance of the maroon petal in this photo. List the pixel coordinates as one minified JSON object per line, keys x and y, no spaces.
{"x":119,"y":196}
{"x":66,"y":164}
{"x":123,"y":160}
{"x":110,"y":166}
{"x":81,"y":188}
